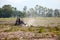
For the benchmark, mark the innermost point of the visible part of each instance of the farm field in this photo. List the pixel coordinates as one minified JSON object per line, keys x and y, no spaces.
{"x":40,"y":29}
{"x":42,"y":21}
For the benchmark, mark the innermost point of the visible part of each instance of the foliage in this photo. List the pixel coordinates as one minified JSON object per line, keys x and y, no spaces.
{"x":38,"y":11}
{"x":8,"y":11}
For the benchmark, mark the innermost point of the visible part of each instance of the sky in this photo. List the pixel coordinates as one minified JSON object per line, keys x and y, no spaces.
{"x":19,"y":4}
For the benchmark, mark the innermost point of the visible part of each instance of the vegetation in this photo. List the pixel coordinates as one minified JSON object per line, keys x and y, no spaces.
{"x":38,"y":11}
{"x":7,"y":14}
{"x":55,"y":30}
{"x":6,"y":27}
{"x":8,"y":11}
{"x":12,"y":27}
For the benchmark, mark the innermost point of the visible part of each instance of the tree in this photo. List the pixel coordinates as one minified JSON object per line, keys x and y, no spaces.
{"x":56,"y":13}
{"x":7,"y":11}
{"x":49,"y":13}
{"x":25,"y":11}
{"x":15,"y":12}
{"x":37,"y":10}
{"x":1,"y":12}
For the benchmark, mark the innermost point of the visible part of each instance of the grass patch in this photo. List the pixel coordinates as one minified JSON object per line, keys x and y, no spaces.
{"x":40,"y":29}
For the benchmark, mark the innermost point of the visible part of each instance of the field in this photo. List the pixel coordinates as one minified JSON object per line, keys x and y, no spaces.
{"x":41,"y":28}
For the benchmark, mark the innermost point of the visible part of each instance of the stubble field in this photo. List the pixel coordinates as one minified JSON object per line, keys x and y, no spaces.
{"x":40,"y":29}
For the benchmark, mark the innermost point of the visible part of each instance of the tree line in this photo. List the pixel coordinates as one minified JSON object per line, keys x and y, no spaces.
{"x":38,"y":11}
{"x":8,"y":11}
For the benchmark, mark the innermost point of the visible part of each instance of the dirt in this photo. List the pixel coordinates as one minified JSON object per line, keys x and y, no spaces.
{"x":20,"y":35}
{"x":35,"y":22}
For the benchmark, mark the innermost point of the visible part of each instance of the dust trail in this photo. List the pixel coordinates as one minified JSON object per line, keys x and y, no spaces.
{"x":42,"y":22}
{"x":31,"y":21}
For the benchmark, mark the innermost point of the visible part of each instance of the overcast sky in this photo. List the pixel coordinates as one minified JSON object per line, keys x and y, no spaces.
{"x":19,"y":4}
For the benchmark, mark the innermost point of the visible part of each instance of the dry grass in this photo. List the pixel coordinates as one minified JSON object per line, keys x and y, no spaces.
{"x":7,"y":25}
{"x":41,"y":29}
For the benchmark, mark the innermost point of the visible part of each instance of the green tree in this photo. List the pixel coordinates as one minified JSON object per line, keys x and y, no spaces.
{"x":1,"y":12}
{"x":7,"y":11}
{"x":25,"y":11}
{"x":56,"y":13}
{"x":49,"y":13}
